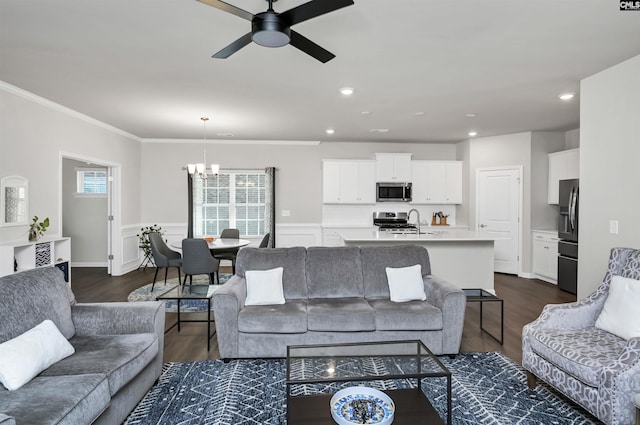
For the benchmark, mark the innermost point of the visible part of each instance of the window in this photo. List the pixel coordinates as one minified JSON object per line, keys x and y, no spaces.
{"x":229,"y":200}
{"x":91,"y":181}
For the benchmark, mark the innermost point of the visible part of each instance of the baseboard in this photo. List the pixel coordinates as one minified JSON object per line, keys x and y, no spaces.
{"x":89,"y":264}
{"x":527,"y":275}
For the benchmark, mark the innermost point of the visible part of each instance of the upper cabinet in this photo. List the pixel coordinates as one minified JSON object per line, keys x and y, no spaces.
{"x":436,"y":182}
{"x":348,"y":182}
{"x":563,"y":165}
{"x":393,"y":167}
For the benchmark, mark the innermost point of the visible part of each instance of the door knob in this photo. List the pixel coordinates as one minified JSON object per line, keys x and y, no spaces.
{"x":483,"y":225}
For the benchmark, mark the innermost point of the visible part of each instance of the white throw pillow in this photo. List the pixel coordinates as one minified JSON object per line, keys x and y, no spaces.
{"x":24,"y":357}
{"x":621,"y":312}
{"x":405,"y":284}
{"x":264,"y":287}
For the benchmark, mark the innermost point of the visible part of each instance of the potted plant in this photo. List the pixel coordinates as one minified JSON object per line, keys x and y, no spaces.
{"x":37,"y":228}
{"x":143,"y":239}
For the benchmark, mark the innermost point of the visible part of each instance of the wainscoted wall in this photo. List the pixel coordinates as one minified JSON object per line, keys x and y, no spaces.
{"x":287,"y":235}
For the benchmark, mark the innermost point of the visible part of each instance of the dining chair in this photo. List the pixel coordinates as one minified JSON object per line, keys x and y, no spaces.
{"x":265,"y":241}
{"x":197,"y":259}
{"x":231,"y":253}
{"x":163,"y":256}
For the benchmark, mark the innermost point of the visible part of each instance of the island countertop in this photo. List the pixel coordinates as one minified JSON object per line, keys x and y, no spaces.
{"x":426,"y":235}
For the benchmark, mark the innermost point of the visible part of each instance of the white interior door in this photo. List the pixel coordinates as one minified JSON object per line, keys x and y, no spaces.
{"x":498,"y":198}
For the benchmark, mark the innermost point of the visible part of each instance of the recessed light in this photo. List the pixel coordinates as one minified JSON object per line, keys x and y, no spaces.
{"x":224,"y":134}
{"x":365,"y":113}
{"x":566,"y":96}
{"x":347,"y":91}
{"x":473,"y":133}
{"x":379,"y":130}
{"x":419,"y":113}
{"x":329,"y":131}
{"x":471,"y":115}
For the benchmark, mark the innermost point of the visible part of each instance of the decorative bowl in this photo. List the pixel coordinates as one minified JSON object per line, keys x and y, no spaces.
{"x":209,"y":239}
{"x":362,"y":405}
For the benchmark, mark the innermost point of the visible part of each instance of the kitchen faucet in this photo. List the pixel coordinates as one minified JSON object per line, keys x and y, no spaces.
{"x":418,"y":214}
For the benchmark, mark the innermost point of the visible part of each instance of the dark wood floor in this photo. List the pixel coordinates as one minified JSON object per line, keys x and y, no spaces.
{"x":523,"y":302}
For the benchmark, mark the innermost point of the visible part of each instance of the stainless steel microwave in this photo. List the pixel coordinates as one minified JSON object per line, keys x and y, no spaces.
{"x":393,"y":192}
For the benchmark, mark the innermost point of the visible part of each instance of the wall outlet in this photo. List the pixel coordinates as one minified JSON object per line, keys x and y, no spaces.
{"x":613,"y":227}
{"x":286,"y":213}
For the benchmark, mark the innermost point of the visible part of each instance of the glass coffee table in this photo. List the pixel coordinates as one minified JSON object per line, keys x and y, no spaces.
{"x":191,"y":292}
{"x":316,"y":372}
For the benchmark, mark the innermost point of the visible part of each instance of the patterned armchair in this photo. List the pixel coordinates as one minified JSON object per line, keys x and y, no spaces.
{"x":595,"y":368}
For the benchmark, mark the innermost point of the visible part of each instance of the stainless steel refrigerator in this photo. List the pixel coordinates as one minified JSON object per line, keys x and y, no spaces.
{"x":569,"y":197}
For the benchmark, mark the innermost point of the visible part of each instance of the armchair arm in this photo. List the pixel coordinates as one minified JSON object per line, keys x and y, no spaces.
{"x":115,"y":318}
{"x":575,"y":315}
{"x":7,"y":420}
{"x":228,"y":300}
{"x":452,"y":301}
{"x":620,"y":383}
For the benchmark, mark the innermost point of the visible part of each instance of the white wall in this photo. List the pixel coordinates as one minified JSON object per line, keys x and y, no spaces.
{"x":609,"y":168}
{"x":543,"y":215}
{"x":34,"y":133}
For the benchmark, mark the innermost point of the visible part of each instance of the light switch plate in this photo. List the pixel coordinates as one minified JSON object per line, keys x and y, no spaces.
{"x":613,"y":227}
{"x":286,"y":213}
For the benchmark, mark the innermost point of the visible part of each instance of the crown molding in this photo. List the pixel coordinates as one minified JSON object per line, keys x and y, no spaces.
{"x":235,"y":142}
{"x":63,"y":109}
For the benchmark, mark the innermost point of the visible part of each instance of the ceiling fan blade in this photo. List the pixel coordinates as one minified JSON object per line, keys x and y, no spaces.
{"x":229,"y":8}
{"x":309,"y":47}
{"x":233,"y":47}
{"x":312,"y":9}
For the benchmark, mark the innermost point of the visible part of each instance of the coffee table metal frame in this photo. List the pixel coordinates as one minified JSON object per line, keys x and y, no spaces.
{"x":191,"y":292}
{"x":410,"y":403}
{"x":482,"y":296}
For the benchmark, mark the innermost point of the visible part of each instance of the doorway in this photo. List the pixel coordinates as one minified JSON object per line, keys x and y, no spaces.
{"x":86,"y":202}
{"x":498,"y":214}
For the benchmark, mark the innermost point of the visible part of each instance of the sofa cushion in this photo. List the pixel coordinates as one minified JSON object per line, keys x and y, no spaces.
{"x":408,"y":316}
{"x":289,"y":318}
{"x":120,"y":357}
{"x":292,"y":260}
{"x":581,"y":353}
{"x":334,"y":272}
{"x":28,"y":298}
{"x":340,"y":315}
{"x":63,"y":400}
{"x":25,"y":356}
{"x":264,"y":287}
{"x":376,"y":258}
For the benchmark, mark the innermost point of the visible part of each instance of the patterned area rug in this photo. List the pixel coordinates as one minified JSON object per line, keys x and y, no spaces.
{"x":144,"y":293}
{"x":487,"y":388}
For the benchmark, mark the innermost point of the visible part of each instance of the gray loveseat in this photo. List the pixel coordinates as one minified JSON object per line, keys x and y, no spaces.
{"x":118,"y":352}
{"x":335,"y":295}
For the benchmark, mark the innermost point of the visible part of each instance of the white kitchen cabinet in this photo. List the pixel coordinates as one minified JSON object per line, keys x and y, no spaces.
{"x":436,"y":182}
{"x":348,"y":182}
{"x":545,"y":256}
{"x":393,"y":167}
{"x":563,"y":165}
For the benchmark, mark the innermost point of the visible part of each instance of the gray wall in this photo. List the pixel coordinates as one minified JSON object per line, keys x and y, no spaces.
{"x":543,"y":215}
{"x":84,"y":219}
{"x":609,"y":168}
{"x":299,"y":172}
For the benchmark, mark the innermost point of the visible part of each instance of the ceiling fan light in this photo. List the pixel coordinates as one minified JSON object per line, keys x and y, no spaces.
{"x":268,"y":31}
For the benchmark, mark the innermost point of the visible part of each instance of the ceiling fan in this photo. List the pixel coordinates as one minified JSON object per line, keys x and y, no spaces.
{"x":273,"y":29}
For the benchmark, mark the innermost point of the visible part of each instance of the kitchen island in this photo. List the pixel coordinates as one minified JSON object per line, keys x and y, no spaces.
{"x":462,"y":257}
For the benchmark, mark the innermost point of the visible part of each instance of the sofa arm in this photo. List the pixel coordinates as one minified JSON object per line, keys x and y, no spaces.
{"x":7,"y":420}
{"x":228,"y":300}
{"x":117,"y":318}
{"x":452,"y":301}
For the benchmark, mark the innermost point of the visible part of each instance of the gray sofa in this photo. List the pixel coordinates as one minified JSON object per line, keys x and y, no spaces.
{"x":118,"y":352}
{"x":335,"y":295}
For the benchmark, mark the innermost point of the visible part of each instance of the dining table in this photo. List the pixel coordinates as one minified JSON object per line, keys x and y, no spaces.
{"x":218,"y":244}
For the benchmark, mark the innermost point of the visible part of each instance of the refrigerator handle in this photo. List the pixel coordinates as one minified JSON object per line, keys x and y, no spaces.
{"x":572,"y":208}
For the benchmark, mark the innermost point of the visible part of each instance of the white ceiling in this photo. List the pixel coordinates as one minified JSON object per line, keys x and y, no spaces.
{"x":145,"y":66}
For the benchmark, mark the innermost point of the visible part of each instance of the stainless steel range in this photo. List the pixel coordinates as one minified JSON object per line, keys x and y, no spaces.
{"x":393,"y":222}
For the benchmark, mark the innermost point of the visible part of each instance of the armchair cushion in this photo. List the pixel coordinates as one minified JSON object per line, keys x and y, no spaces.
{"x":581,"y":353}
{"x":621,"y":313}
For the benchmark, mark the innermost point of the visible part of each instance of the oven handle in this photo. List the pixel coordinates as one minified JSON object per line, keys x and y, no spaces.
{"x":568,"y":258}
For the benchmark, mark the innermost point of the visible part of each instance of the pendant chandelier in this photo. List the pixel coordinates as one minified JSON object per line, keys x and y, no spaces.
{"x":200,"y":168}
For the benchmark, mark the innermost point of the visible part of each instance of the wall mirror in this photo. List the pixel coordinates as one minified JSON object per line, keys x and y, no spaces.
{"x":14,"y":201}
